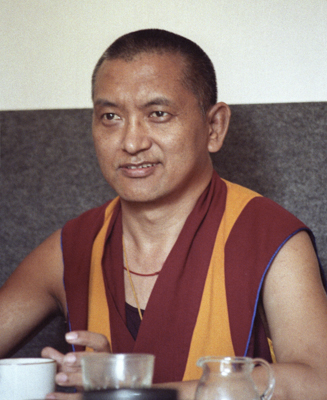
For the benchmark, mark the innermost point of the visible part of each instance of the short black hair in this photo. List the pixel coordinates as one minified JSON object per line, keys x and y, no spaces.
{"x":199,"y":74}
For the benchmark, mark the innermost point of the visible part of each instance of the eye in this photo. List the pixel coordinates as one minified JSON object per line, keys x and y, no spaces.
{"x":110,"y":116}
{"x":159,"y":114}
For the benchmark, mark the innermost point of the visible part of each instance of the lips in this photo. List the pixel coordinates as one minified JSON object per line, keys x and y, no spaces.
{"x":146,"y":165}
{"x":138,"y":170}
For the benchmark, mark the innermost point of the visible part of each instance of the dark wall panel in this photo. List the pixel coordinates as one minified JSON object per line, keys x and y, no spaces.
{"x":50,"y":174}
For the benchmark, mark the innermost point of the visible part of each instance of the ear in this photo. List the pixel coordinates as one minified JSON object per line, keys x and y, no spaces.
{"x":218,"y":118}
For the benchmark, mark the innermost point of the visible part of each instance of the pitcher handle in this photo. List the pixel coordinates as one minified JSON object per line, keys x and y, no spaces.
{"x":266,"y":395}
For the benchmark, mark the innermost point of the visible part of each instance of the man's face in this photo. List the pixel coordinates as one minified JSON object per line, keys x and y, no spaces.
{"x":150,"y":136}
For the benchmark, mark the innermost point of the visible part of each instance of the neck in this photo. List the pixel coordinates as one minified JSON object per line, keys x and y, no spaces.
{"x":153,"y":230}
{"x":158,"y":222}
{"x":150,"y":232}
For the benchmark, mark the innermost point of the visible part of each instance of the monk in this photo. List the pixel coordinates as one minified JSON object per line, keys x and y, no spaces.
{"x":182,"y":264}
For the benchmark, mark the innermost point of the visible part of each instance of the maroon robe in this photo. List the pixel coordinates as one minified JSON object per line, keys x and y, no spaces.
{"x":171,"y":314}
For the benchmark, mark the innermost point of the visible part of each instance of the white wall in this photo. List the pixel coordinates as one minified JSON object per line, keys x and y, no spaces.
{"x":264,"y":51}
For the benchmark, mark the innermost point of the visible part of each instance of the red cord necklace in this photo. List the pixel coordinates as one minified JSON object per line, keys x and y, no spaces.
{"x":139,"y":274}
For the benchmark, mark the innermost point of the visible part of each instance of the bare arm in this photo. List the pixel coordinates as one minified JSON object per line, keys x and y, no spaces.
{"x":296,"y":307}
{"x":33,"y":292}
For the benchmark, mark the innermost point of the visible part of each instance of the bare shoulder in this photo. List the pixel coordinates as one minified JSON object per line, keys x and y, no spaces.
{"x":42,"y":266}
{"x":295,"y":302}
{"x":33,"y":291}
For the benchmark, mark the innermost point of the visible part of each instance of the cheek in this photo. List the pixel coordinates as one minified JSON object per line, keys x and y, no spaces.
{"x":98,"y":149}
{"x":103,"y":143}
{"x":105,"y":154}
{"x":190,"y":144}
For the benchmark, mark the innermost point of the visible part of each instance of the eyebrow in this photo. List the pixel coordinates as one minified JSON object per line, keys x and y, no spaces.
{"x":158,"y":101}
{"x":104,"y":103}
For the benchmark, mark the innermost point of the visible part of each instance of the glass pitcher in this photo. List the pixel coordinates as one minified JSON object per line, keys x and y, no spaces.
{"x":230,"y":378}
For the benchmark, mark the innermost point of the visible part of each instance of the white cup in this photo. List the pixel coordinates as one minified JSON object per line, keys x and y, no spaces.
{"x":26,"y":378}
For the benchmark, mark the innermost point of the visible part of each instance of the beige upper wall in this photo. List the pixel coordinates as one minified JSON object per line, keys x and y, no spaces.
{"x":264,"y":51}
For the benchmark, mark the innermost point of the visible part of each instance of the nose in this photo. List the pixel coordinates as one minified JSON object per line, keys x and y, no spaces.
{"x":136,"y":137}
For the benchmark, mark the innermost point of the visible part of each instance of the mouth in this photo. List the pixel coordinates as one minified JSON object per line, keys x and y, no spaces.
{"x":139,"y":170}
{"x":145,"y":165}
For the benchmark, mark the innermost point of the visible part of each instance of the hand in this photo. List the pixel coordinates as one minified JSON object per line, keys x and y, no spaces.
{"x":69,"y":366}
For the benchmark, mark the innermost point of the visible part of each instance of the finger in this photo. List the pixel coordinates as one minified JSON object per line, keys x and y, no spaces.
{"x":70,"y":379}
{"x":49,"y":352}
{"x":95,"y":341}
{"x":71,"y":362}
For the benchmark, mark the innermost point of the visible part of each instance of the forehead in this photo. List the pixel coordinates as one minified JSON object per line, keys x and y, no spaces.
{"x":146,"y":72}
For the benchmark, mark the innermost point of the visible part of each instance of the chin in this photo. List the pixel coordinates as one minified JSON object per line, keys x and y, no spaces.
{"x":134,"y":195}
{"x":138,"y":198}
{"x":141,"y":192}
{"x":145,"y":197}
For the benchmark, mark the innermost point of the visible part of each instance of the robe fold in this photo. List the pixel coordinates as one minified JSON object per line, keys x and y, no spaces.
{"x":205,"y":299}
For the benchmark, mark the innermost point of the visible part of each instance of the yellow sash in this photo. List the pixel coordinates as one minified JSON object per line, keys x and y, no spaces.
{"x":98,"y":311}
{"x":212,"y":335}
